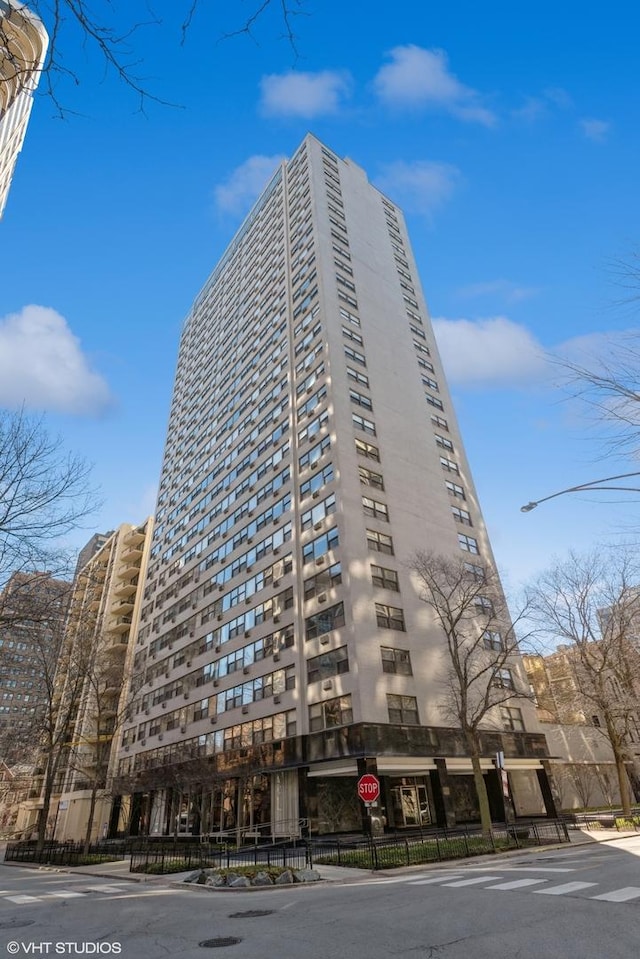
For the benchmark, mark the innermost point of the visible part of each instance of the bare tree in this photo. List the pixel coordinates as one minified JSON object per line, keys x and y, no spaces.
{"x":45,"y":494}
{"x":114,"y":38}
{"x":482,"y":671}
{"x":592,"y":602}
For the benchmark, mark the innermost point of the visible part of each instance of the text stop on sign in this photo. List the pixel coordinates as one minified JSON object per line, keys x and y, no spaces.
{"x":368,"y":787}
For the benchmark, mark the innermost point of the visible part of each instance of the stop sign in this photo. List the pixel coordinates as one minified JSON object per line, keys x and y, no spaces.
{"x":369,"y":788}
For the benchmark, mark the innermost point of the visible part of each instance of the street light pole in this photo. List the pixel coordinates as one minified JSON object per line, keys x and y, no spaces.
{"x":586,"y":488}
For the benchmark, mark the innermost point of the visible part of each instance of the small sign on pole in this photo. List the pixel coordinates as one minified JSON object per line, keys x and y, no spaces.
{"x":369,"y":788}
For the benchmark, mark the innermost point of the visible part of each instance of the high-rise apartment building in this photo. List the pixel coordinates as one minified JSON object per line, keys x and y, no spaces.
{"x":91,"y":690}
{"x":312,"y":449}
{"x":23,"y":47}
{"x":33,"y":607}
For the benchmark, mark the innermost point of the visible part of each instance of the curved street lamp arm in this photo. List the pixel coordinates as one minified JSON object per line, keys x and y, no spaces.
{"x":585,"y":488}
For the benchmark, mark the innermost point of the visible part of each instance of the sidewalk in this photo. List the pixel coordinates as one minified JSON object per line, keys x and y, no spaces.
{"x":119,"y":871}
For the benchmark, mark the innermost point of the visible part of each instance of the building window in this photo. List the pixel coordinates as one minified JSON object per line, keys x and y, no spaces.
{"x":380,"y":542}
{"x":317,"y":513}
{"x":461,"y":516}
{"x":375,"y":509}
{"x":324,"y":622}
{"x":468,"y":543}
{"x":455,"y":490}
{"x":448,"y":465}
{"x":332,"y":712}
{"x":389,"y":617}
{"x":329,"y":664}
{"x":385,"y":578}
{"x":476,"y":572}
{"x":318,"y":547}
{"x":360,"y":400}
{"x":444,"y":442}
{"x":360,"y":423}
{"x":403,"y":710}
{"x":396,"y":661}
{"x":503,"y":678}
{"x":511,"y":718}
{"x":492,"y":639}
{"x":327,"y":579}
{"x":358,"y":377}
{"x":595,"y":721}
{"x":355,"y":356}
{"x":368,"y":450}
{"x":370,"y":478}
{"x":483,"y":605}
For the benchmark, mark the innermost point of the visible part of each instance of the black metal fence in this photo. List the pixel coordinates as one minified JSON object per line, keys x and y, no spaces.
{"x":387,"y":852}
{"x":179,"y":857}
{"x":66,"y":853}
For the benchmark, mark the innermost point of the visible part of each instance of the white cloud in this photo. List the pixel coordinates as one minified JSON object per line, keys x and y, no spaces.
{"x":307,"y":95}
{"x":595,"y":129}
{"x":42,"y":365}
{"x":422,"y":186}
{"x":421,"y":78}
{"x":245,"y":183}
{"x":490,"y":352}
{"x":506,"y":290}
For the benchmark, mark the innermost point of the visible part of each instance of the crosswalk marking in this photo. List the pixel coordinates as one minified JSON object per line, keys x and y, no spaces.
{"x":471,"y":882}
{"x":517,"y":884}
{"x":104,"y":887}
{"x":425,"y":882}
{"x":564,"y":888}
{"x":65,"y":894}
{"x":19,"y":900}
{"x":620,"y":895}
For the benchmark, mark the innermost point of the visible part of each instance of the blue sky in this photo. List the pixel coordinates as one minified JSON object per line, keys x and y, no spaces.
{"x":510,"y":138}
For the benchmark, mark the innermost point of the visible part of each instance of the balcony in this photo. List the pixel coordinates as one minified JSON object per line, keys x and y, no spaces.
{"x":124,"y":607}
{"x":134,"y":538}
{"x":121,"y":624}
{"x":126,"y":588}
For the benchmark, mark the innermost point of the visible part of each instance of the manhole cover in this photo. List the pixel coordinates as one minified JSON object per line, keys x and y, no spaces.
{"x":16,"y":923}
{"x":221,"y":941}
{"x":251,"y":913}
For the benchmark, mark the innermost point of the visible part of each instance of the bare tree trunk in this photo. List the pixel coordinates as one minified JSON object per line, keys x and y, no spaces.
{"x":481,"y":787}
{"x":623,"y":784}
{"x":92,"y":813}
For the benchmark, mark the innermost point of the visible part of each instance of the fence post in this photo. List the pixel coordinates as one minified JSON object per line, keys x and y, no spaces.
{"x":466,"y":841}
{"x":406,"y":845}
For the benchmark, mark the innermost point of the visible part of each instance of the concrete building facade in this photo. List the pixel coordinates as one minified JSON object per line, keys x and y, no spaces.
{"x":94,"y":685}
{"x":23,"y":48}
{"x":312,"y":448}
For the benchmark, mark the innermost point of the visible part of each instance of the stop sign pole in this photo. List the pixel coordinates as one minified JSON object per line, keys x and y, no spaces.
{"x":369,"y":788}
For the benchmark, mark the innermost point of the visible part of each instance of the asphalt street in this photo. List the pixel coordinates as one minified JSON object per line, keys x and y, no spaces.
{"x":572,"y":903}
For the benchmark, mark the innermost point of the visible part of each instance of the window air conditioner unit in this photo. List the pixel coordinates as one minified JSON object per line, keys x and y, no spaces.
{"x":246,"y":670}
{"x":276,"y":657}
{"x":327,"y":684}
{"x":276,"y":550}
{"x":315,"y":494}
{"x":318,"y":525}
{"x":127,"y":748}
{"x":146,"y":712}
{"x":320,"y":561}
{"x":188,"y":662}
{"x":276,"y":698}
{"x":322,"y":597}
{"x":324,"y":639}
{"x":186,"y":695}
{"x":143,"y":742}
{"x":183,"y":729}
{"x":216,"y":682}
{"x":247,"y":633}
{"x":216,"y":649}
{"x":164,"y":705}
{"x":213,"y":720}
{"x":245,"y":710}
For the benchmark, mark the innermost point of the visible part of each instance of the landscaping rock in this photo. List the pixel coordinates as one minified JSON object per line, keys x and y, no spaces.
{"x":286,"y":878}
{"x":238,"y":881}
{"x":262,"y":879}
{"x":194,"y":876}
{"x":306,"y":875}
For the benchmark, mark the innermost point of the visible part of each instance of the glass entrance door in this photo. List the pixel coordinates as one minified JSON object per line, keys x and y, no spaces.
{"x":410,"y":805}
